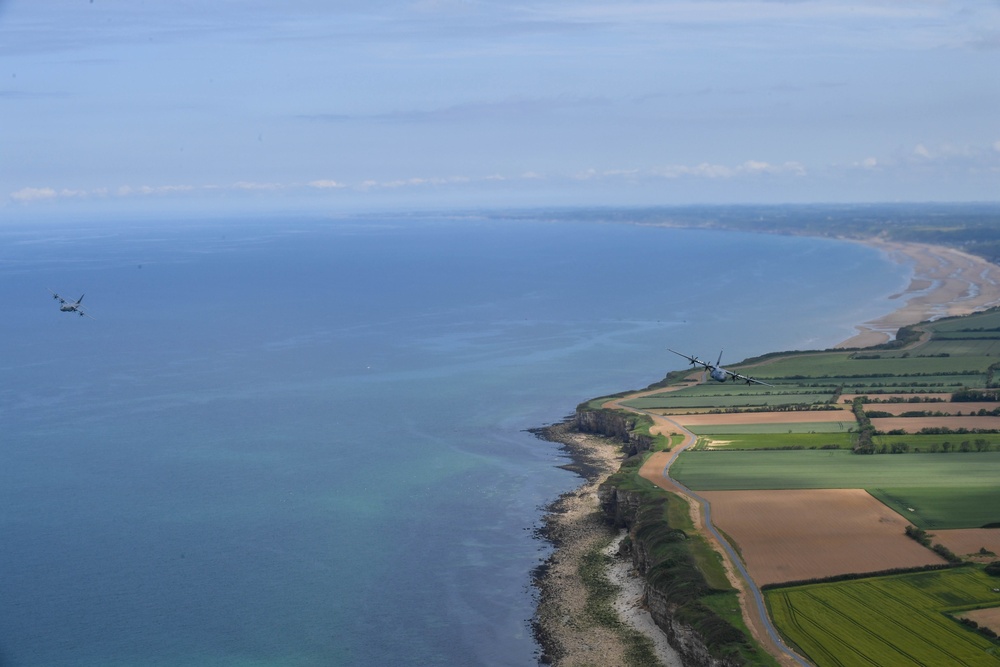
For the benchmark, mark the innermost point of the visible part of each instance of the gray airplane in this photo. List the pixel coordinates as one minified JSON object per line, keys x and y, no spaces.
{"x":718,"y":373}
{"x":71,"y":306}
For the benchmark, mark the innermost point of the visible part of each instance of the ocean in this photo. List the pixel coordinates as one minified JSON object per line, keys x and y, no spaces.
{"x":303,"y":442}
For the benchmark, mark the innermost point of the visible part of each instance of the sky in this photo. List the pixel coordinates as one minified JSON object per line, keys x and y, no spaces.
{"x":337,"y":105}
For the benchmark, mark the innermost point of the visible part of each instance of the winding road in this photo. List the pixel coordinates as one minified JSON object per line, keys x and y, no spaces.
{"x":656,"y":469}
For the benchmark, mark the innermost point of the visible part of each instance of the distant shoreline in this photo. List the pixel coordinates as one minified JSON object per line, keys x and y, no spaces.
{"x":945,"y":282}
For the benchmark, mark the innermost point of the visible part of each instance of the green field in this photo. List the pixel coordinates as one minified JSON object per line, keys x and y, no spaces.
{"x":875,"y":364}
{"x":785,"y":440}
{"x":929,"y":443}
{"x":898,"y":620}
{"x":759,"y":429}
{"x":944,"y":490}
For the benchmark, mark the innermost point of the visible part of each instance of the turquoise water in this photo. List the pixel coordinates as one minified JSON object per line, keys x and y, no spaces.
{"x":302,"y":442}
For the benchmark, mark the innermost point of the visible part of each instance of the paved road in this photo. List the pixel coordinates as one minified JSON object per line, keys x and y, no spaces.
{"x":657,"y":470}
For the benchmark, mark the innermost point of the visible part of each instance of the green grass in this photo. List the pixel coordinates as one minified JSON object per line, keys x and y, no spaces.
{"x":760,"y":399}
{"x":897,"y":620}
{"x":742,"y":441}
{"x":708,"y":560}
{"x":946,"y":490}
{"x":875,"y":362}
{"x":759,"y":429}
{"x":926,"y":443}
{"x":936,"y":508}
{"x":987,"y":320}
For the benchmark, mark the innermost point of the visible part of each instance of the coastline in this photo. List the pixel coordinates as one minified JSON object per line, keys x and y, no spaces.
{"x":945,"y":282}
{"x":575,"y":527}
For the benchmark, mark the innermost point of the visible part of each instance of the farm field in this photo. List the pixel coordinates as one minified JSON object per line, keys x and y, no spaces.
{"x":779,"y":428}
{"x":934,"y":442}
{"x":777,"y":441}
{"x":939,"y":508}
{"x":987,"y":617}
{"x":681,"y":400}
{"x":797,"y":535}
{"x":782,"y":417}
{"x":915,"y":424}
{"x":820,"y":366}
{"x":796,"y":511}
{"x":946,"y":408}
{"x":943,"y":396}
{"x":965,"y":541}
{"x":894,"y":620}
{"x":956,"y":490}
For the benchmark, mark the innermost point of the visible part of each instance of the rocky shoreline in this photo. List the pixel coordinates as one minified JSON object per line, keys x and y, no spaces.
{"x":576,"y":527}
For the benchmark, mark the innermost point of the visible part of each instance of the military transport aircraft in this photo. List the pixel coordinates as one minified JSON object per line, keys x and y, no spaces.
{"x":71,"y":306}
{"x":718,"y":373}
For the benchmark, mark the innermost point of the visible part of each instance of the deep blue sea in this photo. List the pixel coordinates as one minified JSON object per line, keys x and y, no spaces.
{"x":303,"y":442}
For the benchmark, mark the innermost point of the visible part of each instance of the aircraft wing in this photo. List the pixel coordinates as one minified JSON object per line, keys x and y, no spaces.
{"x":747,"y":379}
{"x":693,"y":360}
{"x":57,"y":297}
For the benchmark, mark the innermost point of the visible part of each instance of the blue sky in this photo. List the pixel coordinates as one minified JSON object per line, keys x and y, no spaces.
{"x":129,"y":105}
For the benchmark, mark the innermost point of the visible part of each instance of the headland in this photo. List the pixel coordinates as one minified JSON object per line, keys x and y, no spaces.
{"x":945,"y":282}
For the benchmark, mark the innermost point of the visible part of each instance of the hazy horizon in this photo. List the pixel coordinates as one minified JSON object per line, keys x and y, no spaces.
{"x":118,"y":108}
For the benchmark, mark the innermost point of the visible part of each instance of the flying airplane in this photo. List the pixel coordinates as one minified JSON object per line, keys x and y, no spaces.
{"x":718,"y":373}
{"x":71,"y":306}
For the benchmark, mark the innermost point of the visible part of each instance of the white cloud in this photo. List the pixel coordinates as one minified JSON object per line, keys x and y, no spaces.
{"x":33,"y":194}
{"x":326,"y":184}
{"x":250,"y":185}
{"x":719,"y":171}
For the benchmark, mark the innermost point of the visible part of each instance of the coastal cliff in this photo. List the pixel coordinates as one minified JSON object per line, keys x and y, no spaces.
{"x":675,"y":587}
{"x":613,"y":424}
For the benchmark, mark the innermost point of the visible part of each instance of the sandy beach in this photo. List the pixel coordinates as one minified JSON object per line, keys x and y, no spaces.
{"x":945,"y":282}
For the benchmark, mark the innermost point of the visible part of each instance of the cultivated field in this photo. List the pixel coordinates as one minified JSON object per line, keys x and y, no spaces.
{"x":964,"y":541}
{"x":934,"y":491}
{"x":777,"y":428}
{"x":898,"y":620}
{"x":777,"y":441}
{"x":946,"y":408}
{"x":915,"y":424}
{"x":794,"y":508}
{"x":986,"y":617}
{"x":849,"y":398}
{"x":782,"y":417}
{"x":810,"y":534}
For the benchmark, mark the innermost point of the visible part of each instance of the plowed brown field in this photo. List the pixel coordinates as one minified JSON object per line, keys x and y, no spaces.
{"x":915,"y":424}
{"x":794,"y":535}
{"x":787,"y":417}
{"x":988,"y":617}
{"x":946,"y":408}
{"x":963,"y":541}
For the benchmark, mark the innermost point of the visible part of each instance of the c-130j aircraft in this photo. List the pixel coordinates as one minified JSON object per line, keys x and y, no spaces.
{"x":718,"y":373}
{"x":67,"y":306}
